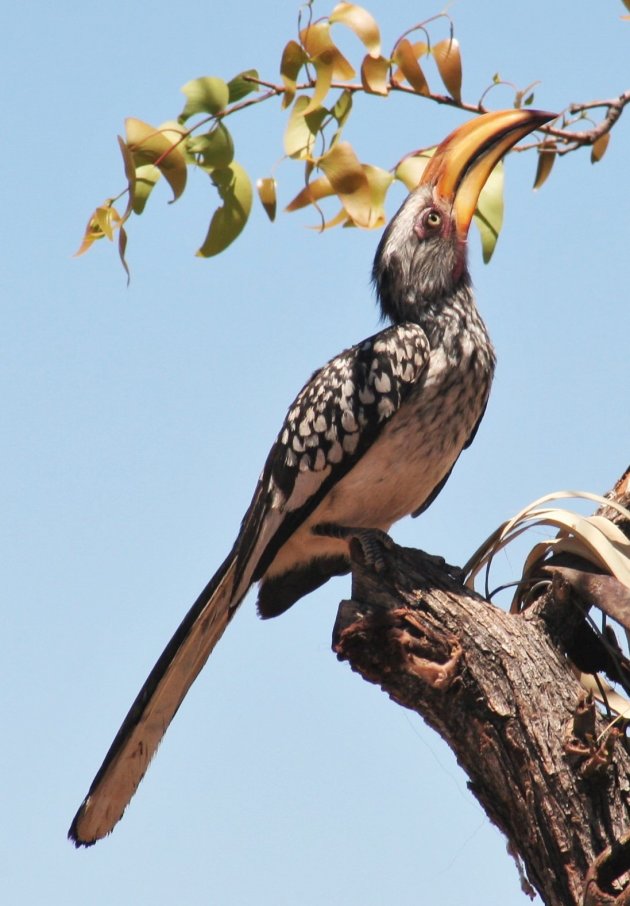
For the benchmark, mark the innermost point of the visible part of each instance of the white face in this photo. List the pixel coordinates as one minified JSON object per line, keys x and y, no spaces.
{"x":420,"y":258}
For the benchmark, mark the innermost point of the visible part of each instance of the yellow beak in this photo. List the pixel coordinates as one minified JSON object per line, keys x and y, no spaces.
{"x":465,"y":159}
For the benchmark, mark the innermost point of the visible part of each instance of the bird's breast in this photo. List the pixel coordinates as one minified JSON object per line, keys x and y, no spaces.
{"x":414,"y":452}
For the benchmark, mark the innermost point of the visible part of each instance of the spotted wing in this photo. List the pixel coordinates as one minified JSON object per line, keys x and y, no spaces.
{"x":335,"y":418}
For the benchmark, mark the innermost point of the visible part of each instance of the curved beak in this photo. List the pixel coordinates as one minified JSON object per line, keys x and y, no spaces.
{"x":465,"y":159}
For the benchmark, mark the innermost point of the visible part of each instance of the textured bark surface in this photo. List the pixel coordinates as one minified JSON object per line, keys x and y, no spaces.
{"x":501,"y":692}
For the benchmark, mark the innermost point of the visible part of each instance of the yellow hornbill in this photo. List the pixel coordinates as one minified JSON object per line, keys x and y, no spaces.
{"x":370,"y":438}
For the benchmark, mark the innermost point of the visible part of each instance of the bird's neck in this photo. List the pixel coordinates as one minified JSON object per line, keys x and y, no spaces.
{"x":444,"y":316}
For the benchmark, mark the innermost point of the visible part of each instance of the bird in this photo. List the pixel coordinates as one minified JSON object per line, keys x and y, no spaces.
{"x":371,"y":437}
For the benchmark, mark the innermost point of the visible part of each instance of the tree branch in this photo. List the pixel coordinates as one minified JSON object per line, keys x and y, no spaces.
{"x":547,"y":768}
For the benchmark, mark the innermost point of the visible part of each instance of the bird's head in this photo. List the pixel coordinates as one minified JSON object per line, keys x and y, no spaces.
{"x":421,"y":258}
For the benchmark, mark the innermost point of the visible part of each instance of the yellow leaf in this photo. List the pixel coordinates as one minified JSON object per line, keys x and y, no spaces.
{"x":293,"y":58}
{"x":130,"y":173}
{"x":349,"y":181}
{"x":599,"y":147}
{"x":235,"y":190}
{"x":362,"y":23}
{"x":323,"y":72}
{"x":379,"y":181}
{"x":410,"y":170}
{"x":299,"y":136}
{"x":149,"y":145}
{"x":316,"y":40}
{"x":267,"y":193}
{"x":405,"y":58}
{"x":449,"y":63}
{"x":92,"y":233}
{"x":103,"y":217}
{"x":311,"y":193}
{"x":374,"y":74}
{"x":546,"y":159}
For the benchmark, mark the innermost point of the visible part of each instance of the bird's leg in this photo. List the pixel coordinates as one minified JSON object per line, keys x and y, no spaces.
{"x":366,"y":544}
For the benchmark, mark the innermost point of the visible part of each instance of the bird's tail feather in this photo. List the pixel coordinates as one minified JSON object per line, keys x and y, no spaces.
{"x":155,"y":706}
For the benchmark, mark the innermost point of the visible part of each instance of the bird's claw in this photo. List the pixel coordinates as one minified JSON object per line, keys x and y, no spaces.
{"x":366,"y":544}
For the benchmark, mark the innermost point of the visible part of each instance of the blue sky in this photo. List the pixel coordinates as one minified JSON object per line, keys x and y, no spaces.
{"x":136,"y":421}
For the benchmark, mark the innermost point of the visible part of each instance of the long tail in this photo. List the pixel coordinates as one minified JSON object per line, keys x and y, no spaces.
{"x":155,"y":706}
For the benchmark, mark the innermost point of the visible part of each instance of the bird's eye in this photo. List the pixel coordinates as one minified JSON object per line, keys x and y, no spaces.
{"x":433,"y":219}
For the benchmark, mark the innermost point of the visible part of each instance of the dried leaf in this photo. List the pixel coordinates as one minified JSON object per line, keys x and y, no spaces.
{"x":205,"y":95}
{"x":488,"y":215}
{"x":316,"y":40}
{"x":405,"y":59}
{"x":546,"y":160}
{"x":449,"y":63}
{"x":374,"y":72}
{"x":240,"y":86}
{"x":267,"y":193}
{"x":362,"y":23}
{"x":149,"y":145}
{"x":599,"y":147}
{"x":235,"y":190}
{"x":293,"y":58}
{"x":122,"y":248}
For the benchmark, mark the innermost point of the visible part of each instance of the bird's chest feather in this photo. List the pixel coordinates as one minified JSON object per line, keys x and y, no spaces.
{"x":416,"y":448}
{"x":414,"y":452}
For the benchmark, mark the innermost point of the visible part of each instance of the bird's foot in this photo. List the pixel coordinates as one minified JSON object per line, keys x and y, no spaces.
{"x":366,"y":544}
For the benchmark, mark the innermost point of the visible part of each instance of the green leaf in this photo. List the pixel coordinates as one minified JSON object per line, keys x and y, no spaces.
{"x":146,"y":178}
{"x":267,"y":193}
{"x":212,"y":149}
{"x":489,"y":213}
{"x":205,"y":95}
{"x":240,"y":86}
{"x":235,"y":190}
{"x":362,"y":23}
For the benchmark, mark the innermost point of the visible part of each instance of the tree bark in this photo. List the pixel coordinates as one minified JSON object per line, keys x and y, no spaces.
{"x":544,"y":763}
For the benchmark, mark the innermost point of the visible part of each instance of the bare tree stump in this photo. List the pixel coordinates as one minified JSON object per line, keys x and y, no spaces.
{"x":546,"y":766}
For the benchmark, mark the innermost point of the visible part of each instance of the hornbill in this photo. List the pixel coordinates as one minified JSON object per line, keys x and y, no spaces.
{"x":371,"y":437}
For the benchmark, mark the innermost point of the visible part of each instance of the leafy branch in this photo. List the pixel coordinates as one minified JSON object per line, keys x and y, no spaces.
{"x":319,"y":106}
